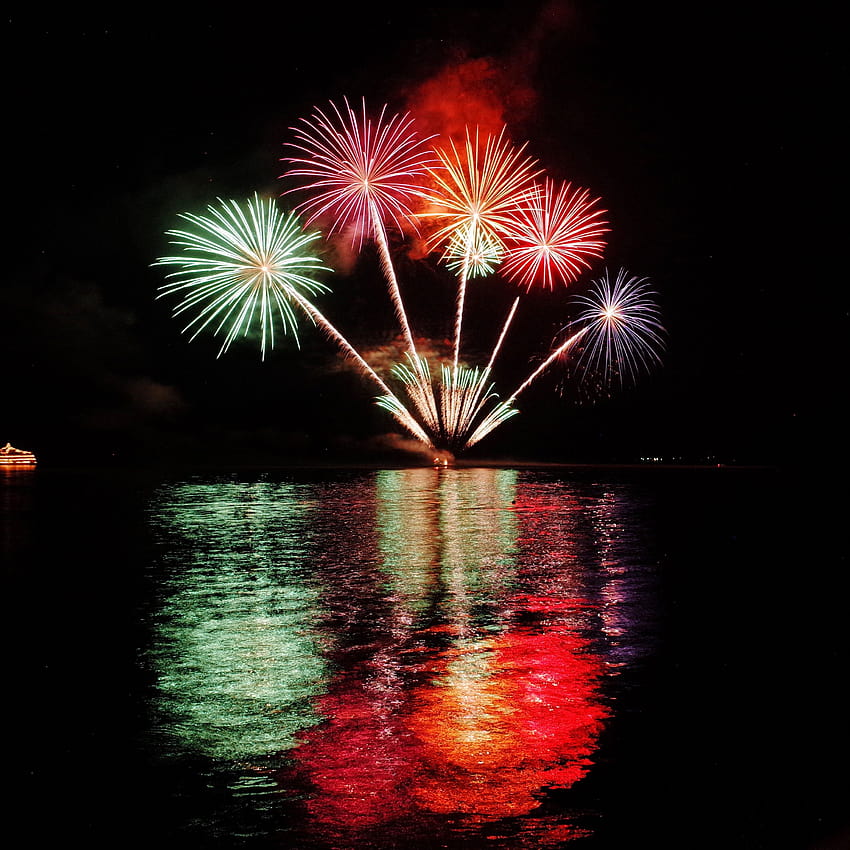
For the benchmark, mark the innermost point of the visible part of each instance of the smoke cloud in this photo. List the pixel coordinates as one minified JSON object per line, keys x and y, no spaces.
{"x":487,"y":92}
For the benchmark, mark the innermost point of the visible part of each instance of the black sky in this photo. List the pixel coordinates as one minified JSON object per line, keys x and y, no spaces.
{"x":703,"y":130}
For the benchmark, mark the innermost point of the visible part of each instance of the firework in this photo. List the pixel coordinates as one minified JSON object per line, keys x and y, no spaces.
{"x":474,"y":196}
{"x":624,"y":331}
{"x":241,"y":265}
{"x":464,"y":397}
{"x":552,"y":234}
{"x":419,"y":389}
{"x":622,"y":328}
{"x":249,"y":260}
{"x":247,"y":264}
{"x":363,"y":175}
{"x":465,"y":394}
{"x":477,"y":189}
{"x":478,"y":255}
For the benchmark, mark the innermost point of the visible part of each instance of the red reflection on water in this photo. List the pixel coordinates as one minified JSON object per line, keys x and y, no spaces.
{"x":361,"y":762}
{"x":507,"y":716}
{"x":482,"y":728}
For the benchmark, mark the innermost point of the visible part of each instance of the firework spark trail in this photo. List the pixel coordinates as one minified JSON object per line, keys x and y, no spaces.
{"x":560,"y":350}
{"x":460,"y":398}
{"x":552,"y":234}
{"x":461,"y":296}
{"x":392,"y":280}
{"x":503,"y":333}
{"x":474,"y":193}
{"x":505,"y":409}
{"x":363,"y":174}
{"x":499,"y":414}
{"x":417,"y":383}
{"x":389,"y":401}
{"x":470,"y":392}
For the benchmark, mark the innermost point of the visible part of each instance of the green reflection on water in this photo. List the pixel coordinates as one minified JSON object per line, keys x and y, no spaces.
{"x":236,"y":657}
{"x":451,"y":531}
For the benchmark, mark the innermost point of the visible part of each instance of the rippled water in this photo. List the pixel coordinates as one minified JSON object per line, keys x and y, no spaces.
{"x":387,"y":658}
{"x":398,"y":653}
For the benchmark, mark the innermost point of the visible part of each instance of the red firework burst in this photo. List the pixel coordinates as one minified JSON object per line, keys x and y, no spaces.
{"x":552,"y":235}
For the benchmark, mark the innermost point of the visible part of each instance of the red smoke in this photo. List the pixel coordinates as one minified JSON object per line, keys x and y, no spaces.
{"x":474,"y":93}
{"x":470,"y":93}
{"x":488,"y":92}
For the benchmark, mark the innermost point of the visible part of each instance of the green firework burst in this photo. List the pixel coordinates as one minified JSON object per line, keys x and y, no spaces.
{"x":243,"y":263}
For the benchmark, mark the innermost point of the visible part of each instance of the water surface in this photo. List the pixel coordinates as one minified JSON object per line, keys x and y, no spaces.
{"x":461,"y":657}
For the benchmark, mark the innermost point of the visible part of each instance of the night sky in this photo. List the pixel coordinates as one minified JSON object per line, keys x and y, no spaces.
{"x":701,"y":129}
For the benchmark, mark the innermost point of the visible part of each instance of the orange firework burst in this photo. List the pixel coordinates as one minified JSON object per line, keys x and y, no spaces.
{"x":477,"y":188}
{"x":552,"y":235}
{"x":473,"y":198}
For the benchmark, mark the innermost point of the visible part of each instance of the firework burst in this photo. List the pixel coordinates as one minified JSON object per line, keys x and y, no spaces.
{"x":242,"y":265}
{"x":551,"y":235}
{"x":478,"y":187}
{"x":624,"y":331}
{"x":363,"y":174}
{"x":617,"y":331}
{"x":478,"y":256}
{"x":247,"y":260}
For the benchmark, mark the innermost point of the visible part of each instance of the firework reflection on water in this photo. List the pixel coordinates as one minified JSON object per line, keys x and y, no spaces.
{"x":416,"y":655}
